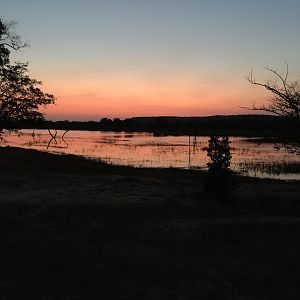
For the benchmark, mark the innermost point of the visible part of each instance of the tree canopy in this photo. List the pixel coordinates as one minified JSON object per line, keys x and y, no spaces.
{"x":20,"y":95}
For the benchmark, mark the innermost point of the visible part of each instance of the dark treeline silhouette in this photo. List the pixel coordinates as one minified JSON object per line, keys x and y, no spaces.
{"x":234,"y":125}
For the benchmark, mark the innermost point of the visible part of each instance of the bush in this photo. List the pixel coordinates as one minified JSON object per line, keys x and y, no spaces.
{"x":219,"y":182}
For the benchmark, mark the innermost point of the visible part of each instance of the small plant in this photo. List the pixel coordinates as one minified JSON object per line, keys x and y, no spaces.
{"x":219,"y":182}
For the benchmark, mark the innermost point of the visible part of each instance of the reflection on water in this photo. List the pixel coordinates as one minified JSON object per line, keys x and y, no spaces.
{"x":142,"y":149}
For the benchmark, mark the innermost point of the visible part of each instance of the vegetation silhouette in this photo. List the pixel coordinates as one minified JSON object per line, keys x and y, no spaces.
{"x":20,"y":95}
{"x":219,"y":182}
{"x":285,"y":102}
{"x":231,"y":125}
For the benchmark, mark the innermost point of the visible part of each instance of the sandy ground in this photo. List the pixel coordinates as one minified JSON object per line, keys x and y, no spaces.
{"x":76,"y":229}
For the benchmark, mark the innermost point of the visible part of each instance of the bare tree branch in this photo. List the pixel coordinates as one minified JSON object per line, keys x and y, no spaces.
{"x":286,"y":95}
{"x":285,"y":102}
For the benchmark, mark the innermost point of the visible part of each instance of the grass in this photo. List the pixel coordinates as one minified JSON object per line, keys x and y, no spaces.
{"x":272,"y":168}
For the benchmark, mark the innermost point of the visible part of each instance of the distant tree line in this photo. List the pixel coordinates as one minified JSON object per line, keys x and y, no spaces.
{"x":244,"y":125}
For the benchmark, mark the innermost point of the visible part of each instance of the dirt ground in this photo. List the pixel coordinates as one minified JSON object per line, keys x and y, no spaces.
{"x":78,"y":229}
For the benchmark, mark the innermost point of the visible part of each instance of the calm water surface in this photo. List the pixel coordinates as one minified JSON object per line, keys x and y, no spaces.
{"x":146,"y":150}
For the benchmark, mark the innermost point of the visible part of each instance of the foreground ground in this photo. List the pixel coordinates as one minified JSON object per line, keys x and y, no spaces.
{"x":77,"y":229}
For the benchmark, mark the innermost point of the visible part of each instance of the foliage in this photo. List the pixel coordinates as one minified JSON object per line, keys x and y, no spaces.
{"x":218,"y":151}
{"x":20,"y":95}
{"x":219,"y":182}
{"x":9,"y":40}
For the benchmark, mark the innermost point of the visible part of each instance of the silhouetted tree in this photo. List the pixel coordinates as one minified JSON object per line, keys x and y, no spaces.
{"x":9,"y":40}
{"x":20,"y":95}
{"x":285,"y":102}
{"x":105,"y":121}
{"x":219,"y":181}
{"x":218,"y":151}
{"x":286,"y":94}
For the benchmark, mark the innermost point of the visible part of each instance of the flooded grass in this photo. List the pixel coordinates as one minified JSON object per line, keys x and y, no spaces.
{"x":254,"y":157}
{"x":272,"y":167}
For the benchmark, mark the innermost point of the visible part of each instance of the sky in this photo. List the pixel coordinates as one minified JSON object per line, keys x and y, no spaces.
{"x":125,"y":58}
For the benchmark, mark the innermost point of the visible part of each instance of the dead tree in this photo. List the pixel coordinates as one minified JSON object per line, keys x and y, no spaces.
{"x":53,"y":137}
{"x":285,"y":102}
{"x":63,"y":137}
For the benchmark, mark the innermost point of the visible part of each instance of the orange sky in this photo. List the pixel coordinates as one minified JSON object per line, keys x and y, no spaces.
{"x":93,"y":98}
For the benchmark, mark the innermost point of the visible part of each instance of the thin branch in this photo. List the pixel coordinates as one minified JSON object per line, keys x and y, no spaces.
{"x":63,"y":137}
{"x":53,"y":137}
{"x":263,"y":108}
{"x":279,"y":76}
{"x":287,"y":97}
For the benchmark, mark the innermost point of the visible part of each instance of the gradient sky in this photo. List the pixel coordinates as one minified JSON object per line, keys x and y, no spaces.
{"x":123,"y":58}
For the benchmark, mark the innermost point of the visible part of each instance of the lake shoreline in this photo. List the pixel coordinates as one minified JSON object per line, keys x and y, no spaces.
{"x":73,"y":228}
{"x":249,"y":155}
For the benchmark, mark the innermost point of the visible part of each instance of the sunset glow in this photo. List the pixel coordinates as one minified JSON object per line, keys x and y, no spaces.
{"x":147,"y":58}
{"x":129,"y":97}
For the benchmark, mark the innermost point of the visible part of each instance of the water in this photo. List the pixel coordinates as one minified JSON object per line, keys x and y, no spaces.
{"x":142,"y":149}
